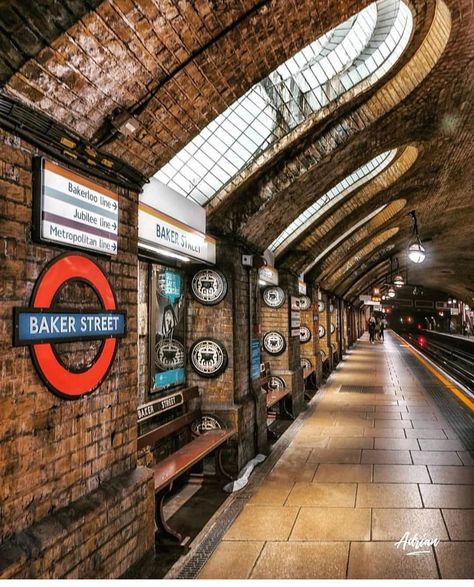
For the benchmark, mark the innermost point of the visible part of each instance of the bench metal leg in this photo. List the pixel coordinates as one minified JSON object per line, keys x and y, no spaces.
{"x":220,"y":466}
{"x":287,"y":412}
{"x":162,"y":526}
{"x":272,"y":435}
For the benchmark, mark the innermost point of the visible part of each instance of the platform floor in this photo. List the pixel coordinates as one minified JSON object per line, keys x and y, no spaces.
{"x":373,"y":460}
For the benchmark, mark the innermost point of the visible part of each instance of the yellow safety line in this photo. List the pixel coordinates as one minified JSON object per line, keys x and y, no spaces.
{"x":452,"y":388}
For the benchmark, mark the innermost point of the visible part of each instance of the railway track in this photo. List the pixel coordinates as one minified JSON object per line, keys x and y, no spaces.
{"x":447,"y":354}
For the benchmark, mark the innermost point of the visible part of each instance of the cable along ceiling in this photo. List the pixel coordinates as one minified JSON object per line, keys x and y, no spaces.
{"x":365,"y":46}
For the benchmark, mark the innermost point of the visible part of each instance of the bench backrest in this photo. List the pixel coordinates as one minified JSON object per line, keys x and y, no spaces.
{"x":160,"y":406}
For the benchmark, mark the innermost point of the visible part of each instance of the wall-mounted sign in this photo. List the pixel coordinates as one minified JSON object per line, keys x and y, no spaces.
{"x":295,"y":319}
{"x":295,"y":303}
{"x":72,"y":210}
{"x":305,"y":303}
{"x":268,"y":275}
{"x":274,"y":297}
{"x":274,"y":343}
{"x":158,"y":232}
{"x":321,"y":331}
{"x":305,"y":334}
{"x":321,"y":306}
{"x":301,"y":287}
{"x":306,"y":363}
{"x":41,"y":325}
{"x":295,"y":316}
{"x":276,"y":382}
{"x":208,"y":357}
{"x":151,"y":409}
{"x":170,"y":224}
{"x":255,"y":359}
{"x":209,"y":286}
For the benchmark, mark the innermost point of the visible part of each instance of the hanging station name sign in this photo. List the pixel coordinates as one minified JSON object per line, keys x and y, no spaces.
{"x":41,"y":325}
{"x":157,"y":232}
{"x":72,"y":210}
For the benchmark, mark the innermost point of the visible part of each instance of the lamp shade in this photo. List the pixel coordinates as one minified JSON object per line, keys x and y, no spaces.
{"x":416,"y":252}
{"x":398,"y":281}
{"x":391,"y":292}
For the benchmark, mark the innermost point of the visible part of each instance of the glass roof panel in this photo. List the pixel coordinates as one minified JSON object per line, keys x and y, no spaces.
{"x":367,"y":44}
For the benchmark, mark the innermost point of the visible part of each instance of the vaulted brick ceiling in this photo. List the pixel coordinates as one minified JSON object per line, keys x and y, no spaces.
{"x":177,"y":64}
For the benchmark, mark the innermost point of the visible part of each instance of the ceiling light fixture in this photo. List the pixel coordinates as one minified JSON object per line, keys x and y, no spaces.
{"x":416,"y":251}
{"x":398,"y":280}
{"x":391,"y":292}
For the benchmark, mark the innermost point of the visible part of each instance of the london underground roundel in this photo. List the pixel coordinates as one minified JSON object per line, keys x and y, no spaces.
{"x":40,"y":326}
{"x":321,"y":331}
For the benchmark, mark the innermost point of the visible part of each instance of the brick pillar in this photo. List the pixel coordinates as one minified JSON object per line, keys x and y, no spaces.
{"x":232,"y":396}
{"x":288,"y":364}
{"x":311,"y":349}
{"x":325,"y":339}
{"x":333,"y":330}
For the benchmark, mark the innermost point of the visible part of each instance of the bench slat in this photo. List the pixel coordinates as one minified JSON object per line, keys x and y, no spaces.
{"x":169,"y":428}
{"x":274,"y":397}
{"x":186,"y":457}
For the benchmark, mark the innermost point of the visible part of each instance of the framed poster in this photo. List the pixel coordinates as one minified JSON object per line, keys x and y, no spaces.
{"x":167,"y":328}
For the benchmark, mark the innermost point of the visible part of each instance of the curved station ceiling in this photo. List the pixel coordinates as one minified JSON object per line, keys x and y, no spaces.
{"x":311,"y":129}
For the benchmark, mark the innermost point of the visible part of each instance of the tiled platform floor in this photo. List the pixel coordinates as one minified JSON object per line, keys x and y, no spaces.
{"x":364,"y":469}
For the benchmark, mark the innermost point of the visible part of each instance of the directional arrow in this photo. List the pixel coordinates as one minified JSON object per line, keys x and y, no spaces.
{"x":115,"y":205}
{"x":114,"y":225}
{"x":114,"y":247}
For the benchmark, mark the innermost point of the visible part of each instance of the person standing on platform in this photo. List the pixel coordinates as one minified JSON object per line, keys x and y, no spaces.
{"x":383,"y":326}
{"x":377,"y":329}
{"x":372,"y":330}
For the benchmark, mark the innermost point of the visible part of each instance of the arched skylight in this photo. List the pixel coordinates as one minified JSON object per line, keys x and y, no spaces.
{"x":365,"y":46}
{"x":334,"y":195}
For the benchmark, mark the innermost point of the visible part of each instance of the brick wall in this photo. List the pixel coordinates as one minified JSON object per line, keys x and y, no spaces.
{"x":100,"y":536}
{"x":54,"y":452}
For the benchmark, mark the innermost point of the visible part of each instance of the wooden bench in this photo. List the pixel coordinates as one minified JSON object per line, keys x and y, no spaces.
{"x":274,"y":396}
{"x":309,"y":380}
{"x":199,"y":444}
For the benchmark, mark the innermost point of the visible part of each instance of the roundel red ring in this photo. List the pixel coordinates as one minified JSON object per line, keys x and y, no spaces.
{"x":81,"y":268}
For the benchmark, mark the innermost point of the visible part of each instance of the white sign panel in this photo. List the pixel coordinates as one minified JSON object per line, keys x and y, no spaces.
{"x":161,"y":197}
{"x":158,"y":232}
{"x":301,"y":287}
{"x":72,"y":210}
{"x":268,"y":274}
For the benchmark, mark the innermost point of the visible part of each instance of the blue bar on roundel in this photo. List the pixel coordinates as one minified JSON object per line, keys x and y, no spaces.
{"x":35,"y":327}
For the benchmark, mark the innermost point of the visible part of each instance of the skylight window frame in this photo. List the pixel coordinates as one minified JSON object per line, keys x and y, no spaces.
{"x":258,"y":114}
